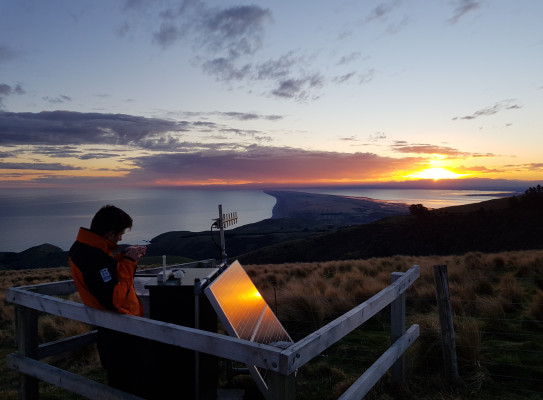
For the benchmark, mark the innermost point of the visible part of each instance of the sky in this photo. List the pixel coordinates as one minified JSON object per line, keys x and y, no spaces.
{"x":158,"y":93}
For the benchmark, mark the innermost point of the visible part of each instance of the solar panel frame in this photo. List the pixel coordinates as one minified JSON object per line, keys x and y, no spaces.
{"x":245,"y":314}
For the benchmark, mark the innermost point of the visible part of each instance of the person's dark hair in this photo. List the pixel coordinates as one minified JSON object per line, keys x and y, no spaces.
{"x":110,"y":218}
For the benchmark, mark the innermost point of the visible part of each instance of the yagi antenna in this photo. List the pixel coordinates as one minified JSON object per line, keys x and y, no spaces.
{"x":224,"y":221}
{"x":229,"y":219}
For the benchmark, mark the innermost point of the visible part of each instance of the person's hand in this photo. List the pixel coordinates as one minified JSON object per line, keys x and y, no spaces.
{"x":135,"y":252}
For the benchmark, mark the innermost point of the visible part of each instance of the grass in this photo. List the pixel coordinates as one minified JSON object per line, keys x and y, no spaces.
{"x":497,"y":302}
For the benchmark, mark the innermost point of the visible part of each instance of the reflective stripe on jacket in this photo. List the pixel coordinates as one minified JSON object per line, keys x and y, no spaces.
{"x":104,"y":281}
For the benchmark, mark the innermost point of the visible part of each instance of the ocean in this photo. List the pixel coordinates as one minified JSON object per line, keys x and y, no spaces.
{"x":31,"y":217}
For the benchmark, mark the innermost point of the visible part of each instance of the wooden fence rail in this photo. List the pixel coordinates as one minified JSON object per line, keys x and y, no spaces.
{"x":281,"y":363}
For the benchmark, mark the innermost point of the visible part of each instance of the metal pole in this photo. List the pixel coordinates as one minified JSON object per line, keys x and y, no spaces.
{"x":197,"y":290}
{"x":221,"y":227}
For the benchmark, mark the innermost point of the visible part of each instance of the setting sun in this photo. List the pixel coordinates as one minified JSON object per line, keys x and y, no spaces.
{"x":434,"y":173}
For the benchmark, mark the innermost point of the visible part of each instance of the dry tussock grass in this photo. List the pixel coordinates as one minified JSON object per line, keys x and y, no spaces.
{"x":481,"y":285}
{"x":536,"y":309}
{"x":50,"y":327}
{"x":511,"y":292}
{"x":485,"y":289}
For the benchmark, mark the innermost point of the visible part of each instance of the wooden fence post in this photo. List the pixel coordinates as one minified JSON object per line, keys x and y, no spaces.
{"x":448,"y":344}
{"x":281,"y":387}
{"x":397,"y":329}
{"x":26,"y":335}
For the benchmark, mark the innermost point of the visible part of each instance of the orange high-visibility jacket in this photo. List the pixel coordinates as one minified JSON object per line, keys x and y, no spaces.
{"x":104,"y":281}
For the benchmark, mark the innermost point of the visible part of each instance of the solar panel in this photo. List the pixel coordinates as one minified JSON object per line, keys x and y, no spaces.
{"x":244,"y":313}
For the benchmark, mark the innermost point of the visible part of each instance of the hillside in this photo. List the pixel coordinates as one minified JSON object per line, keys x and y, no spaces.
{"x":42,"y":256}
{"x":296,"y":215}
{"x":491,"y":226}
{"x":497,"y":300}
{"x":313,"y":227}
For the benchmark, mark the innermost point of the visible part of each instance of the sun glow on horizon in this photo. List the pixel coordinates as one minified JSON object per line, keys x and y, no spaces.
{"x":435,"y":173}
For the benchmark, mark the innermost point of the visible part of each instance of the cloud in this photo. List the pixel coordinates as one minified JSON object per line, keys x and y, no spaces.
{"x":230,"y":32}
{"x":62,"y":133}
{"x":264,"y":164}
{"x":479,"y":170}
{"x":349,"y":58}
{"x":395,"y":28}
{"x":56,"y":151}
{"x":361,"y":77}
{"x":344,"y":78}
{"x":95,"y":156}
{"x":74,"y":128}
{"x":462,"y":7}
{"x":39,"y":166}
{"x":299,"y":89}
{"x":250,"y":116}
{"x":7,"y":90}
{"x":380,"y":11}
{"x":404,"y":147}
{"x":235,"y":31}
{"x":377,"y":136}
{"x":154,"y":151}
{"x":287,"y":75}
{"x":531,"y":167}
{"x":58,"y":100}
{"x":226,"y":43}
{"x":233,"y":115}
{"x":496,"y":108}
{"x":72,"y":152}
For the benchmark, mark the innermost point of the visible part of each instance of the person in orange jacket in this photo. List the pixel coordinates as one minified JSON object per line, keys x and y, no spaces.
{"x":105,"y":281}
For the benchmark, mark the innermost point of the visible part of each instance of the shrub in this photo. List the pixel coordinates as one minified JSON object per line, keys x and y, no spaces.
{"x":511,"y":292}
{"x":489,"y":307}
{"x":536,"y":310}
{"x":468,"y":341}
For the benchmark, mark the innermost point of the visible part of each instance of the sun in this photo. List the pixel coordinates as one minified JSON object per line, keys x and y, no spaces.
{"x":434,"y":173}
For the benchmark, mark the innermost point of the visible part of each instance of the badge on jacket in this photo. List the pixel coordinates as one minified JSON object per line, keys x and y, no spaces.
{"x":106,"y":276}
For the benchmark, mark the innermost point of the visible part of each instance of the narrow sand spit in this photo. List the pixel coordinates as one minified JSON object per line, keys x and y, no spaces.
{"x":292,"y":204}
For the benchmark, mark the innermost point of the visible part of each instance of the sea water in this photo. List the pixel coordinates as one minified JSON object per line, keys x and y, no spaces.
{"x":31,"y":217}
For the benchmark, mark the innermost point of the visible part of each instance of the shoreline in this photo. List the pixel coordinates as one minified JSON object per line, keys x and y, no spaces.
{"x":283,"y":203}
{"x":294,"y":204}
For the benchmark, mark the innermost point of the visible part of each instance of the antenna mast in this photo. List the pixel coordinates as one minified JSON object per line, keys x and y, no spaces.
{"x":224,"y":221}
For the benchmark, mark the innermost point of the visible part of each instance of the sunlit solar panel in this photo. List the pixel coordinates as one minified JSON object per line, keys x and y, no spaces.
{"x":243,"y":312}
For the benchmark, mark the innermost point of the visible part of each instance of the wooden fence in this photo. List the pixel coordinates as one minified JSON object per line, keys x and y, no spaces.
{"x":30,"y":301}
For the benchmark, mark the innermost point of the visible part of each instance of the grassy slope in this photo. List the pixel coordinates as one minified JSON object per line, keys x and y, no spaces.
{"x":491,"y":226}
{"x":497,"y":303}
{"x":487,"y":226}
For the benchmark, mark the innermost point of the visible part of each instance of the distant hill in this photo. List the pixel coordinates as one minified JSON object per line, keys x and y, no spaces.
{"x":43,"y":256}
{"x":296,"y":215}
{"x":513,"y":223}
{"x":324,"y":227}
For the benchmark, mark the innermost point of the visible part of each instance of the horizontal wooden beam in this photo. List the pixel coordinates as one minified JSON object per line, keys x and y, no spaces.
{"x":209,"y":263}
{"x":284,"y":362}
{"x":261,"y":355}
{"x":67,"y":380}
{"x":67,"y":344}
{"x":372,"y":375}
{"x":315,"y":343}
{"x":61,"y":288}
